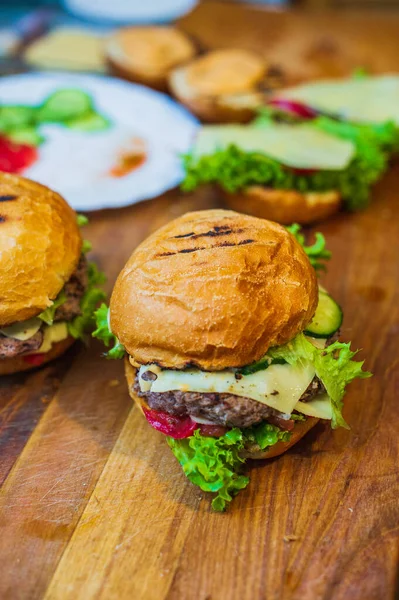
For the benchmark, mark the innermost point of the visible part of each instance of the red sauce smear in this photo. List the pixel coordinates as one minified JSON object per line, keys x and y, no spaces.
{"x":176,"y":427}
{"x":180,"y":427}
{"x":14,"y":158}
{"x":127,"y":163}
{"x":294,"y":108}
{"x":34,"y":359}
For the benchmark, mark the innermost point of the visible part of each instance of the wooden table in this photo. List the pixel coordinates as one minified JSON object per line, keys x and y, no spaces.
{"x":94,"y":505}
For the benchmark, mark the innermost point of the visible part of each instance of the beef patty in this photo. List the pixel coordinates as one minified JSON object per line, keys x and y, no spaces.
{"x":74,"y":290}
{"x":221,"y":409}
{"x":10,"y":347}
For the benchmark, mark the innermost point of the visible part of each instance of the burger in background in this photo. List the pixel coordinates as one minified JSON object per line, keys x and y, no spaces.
{"x":48,"y":288}
{"x":230,"y":345}
{"x":148,"y":54}
{"x":290,"y":166}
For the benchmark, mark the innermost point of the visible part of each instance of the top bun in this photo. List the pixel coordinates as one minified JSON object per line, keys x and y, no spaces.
{"x":147,"y":54}
{"x":40,"y":245}
{"x":222,"y":85}
{"x":214,"y":289}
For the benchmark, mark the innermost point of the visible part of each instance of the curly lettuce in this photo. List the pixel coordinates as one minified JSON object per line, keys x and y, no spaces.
{"x":334,"y":367}
{"x":48,"y":315}
{"x":104,"y":333}
{"x":92,"y":296}
{"x":265,"y":435}
{"x":235,"y":170}
{"x":317,"y":252}
{"x":215,"y":464}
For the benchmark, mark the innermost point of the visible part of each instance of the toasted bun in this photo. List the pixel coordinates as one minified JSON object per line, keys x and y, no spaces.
{"x":221,"y":86}
{"x":40,"y":246}
{"x":213,"y":289}
{"x":8,"y":366}
{"x":300,"y":429}
{"x":147,"y":54}
{"x":284,"y":206}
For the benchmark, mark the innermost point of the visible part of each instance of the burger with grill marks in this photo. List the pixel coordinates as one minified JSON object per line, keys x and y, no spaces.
{"x":48,"y":290}
{"x":229,"y":343}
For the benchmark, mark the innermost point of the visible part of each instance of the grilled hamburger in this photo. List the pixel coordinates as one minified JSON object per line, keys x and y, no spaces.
{"x":228,"y":342}
{"x":148,"y":54}
{"x":222,"y":85}
{"x":47,"y":288}
{"x":289,"y":168}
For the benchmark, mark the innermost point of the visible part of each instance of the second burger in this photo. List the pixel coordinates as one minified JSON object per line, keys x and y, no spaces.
{"x":230,"y":345}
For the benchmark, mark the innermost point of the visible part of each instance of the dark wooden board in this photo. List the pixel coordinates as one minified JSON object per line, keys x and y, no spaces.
{"x":92,"y":503}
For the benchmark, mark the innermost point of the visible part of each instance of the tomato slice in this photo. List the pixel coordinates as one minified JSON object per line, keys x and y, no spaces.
{"x":294,"y":108}
{"x":213,"y":430}
{"x":14,"y":158}
{"x":176,"y":427}
{"x":305,"y":172}
{"x":34,"y":359}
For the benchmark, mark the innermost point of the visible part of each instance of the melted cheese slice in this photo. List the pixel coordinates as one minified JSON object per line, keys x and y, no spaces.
{"x":299,"y":146}
{"x":24,"y":330}
{"x":320,"y":407}
{"x":367,"y":100}
{"x":52,"y":334}
{"x":279,"y":386}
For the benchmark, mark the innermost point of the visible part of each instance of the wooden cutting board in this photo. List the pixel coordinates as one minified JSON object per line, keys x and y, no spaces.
{"x":93,"y":504}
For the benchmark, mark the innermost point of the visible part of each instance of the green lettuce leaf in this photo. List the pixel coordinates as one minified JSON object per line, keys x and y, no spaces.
{"x":336,"y":369}
{"x":104,"y":333}
{"x":92,"y":296}
{"x":82,"y":220}
{"x":214,"y":464}
{"x":86,"y":246}
{"x":317,"y":252}
{"x":333,"y":365}
{"x":48,"y":315}
{"x":264,"y":434}
{"x":234,"y":169}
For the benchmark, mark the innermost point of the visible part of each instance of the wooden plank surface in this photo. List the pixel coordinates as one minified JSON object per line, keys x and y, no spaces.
{"x":92,"y":503}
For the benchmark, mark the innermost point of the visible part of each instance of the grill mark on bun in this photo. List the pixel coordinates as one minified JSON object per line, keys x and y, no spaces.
{"x":187,"y":250}
{"x":214,"y":232}
{"x":197,"y":248}
{"x":183,"y":235}
{"x":241,"y":243}
{"x":7,"y":198}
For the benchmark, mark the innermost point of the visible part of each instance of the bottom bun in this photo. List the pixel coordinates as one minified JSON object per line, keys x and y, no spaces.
{"x":8,"y":366}
{"x":284,"y":206}
{"x":301,"y":428}
{"x":159,"y":83}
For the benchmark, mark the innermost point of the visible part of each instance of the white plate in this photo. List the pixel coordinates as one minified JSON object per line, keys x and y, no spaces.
{"x":130,"y":11}
{"x":77,"y":164}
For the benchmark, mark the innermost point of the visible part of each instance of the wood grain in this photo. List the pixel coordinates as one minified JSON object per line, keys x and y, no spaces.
{"x":92,"y":503}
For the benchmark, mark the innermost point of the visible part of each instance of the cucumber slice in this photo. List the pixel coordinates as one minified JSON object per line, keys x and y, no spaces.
{"x":14,"y":117}
{"x":64,"y":105}
{"x":327,"y":319}
{"x":89,"y":122}
{"x":26,"y":135}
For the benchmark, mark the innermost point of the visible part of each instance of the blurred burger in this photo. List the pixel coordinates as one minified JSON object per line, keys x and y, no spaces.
{"x":289,"y":165}
{"x":222,"y":85}
{"x":47,"y":287}
{"x":230,"y":346}
{"x":148,"y":54}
